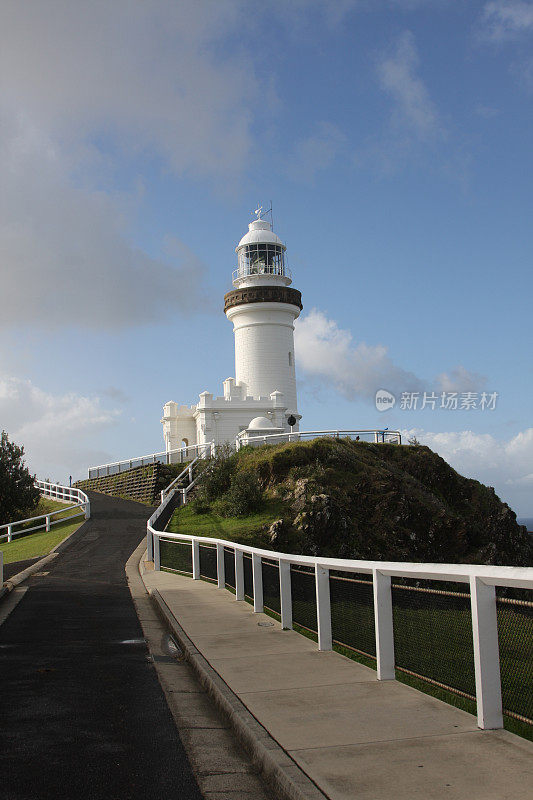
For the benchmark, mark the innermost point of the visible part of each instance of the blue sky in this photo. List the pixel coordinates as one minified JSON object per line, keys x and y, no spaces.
{"x":393,"y":138}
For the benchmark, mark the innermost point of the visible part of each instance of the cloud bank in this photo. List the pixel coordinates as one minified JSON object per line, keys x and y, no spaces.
{"x":58,"y":431}
{"x":504,"y":464}
{"x":328,"y":354}
{"x":143,"y":81}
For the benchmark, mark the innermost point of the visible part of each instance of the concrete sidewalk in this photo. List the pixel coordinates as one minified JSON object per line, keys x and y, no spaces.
{"x":353,"y":736}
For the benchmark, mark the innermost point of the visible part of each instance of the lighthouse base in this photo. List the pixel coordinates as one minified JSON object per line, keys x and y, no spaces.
{"x":221,"y":419}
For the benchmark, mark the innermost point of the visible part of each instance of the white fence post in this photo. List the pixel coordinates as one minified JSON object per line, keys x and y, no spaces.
{"x":87,"y":510}
{"x":384,"y":626}
{"x":239,"y":575}
{"x":9,"y":533}
{"x":157,"y":553}
{"x":285,"y":594}
{"x":195,"y":560}
{"x":47,"y":522}
{"x":149,"y":546}
{"x":257,"y":573}
{"x":221,"y":568}
{"x":486,"y":654}
{"x":323,"y":608}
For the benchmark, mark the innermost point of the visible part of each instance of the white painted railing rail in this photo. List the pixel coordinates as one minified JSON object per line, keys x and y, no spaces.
{"x":188,"y":477}
{"x":376,"y":435}
{"x":65,"y":494}
{"x":177,"y":456}
{"x":208,"y":449}
{"x":482,"y":581}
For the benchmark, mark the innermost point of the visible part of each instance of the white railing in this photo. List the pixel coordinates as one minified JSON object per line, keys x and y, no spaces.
{"x":183,"y":454}
{"x":377,"y":435}
{"x":481,"y":579}
{"x":65,"y":494}
{"x":177,"y":456}
{"x":245,"y":270}
{"x":187,"y":476}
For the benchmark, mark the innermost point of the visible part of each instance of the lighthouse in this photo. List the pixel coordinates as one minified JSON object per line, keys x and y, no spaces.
{"x":262,"y":306}
{"x":262,"y":309}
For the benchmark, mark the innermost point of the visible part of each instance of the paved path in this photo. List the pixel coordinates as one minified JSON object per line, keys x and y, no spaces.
{"x":354,"y":736}
{"x":82,"y":712}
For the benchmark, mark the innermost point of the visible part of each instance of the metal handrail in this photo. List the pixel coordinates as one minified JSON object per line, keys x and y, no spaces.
{"x":59,"y":492}
{"x":481,"y":578}
{"x":187,"y":471}
{"x":387,"y":436}
{"x":165,"y":456}
{"x":208,"y":448}
{"x":245,"y":272}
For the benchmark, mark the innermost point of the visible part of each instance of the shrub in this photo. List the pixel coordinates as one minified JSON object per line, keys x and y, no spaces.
{"x":18,"y":495}
{"x":216,"y":480}
{"x":243,"y":497}
{"x":200,"y":504}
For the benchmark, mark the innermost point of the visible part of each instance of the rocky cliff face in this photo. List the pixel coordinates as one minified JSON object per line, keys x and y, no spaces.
{"x":350,"y":499}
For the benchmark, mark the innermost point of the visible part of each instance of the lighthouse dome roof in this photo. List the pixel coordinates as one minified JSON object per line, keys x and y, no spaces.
{"x":260,"y":424}
{"x":260,"y":232}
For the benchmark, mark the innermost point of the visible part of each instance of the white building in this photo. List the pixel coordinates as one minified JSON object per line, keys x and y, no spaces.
{"x":262,"y":308}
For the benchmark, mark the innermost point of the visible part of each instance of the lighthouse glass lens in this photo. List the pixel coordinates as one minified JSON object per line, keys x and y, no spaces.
{"x":261,"y":259}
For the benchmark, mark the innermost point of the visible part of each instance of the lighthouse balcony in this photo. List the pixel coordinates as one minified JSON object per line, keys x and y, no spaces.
{"x":273,"y":273}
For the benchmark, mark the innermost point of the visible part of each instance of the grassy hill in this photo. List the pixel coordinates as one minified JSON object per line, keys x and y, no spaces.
{"x":350,"y":499}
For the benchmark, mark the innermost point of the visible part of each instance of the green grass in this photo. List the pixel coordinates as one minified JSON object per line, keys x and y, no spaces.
{"x":39,"y":543}
{"x":249,"y":529}
{"x":46,"y":506}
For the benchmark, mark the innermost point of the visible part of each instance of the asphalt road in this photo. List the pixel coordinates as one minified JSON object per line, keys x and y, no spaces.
{"x":82,"y":712}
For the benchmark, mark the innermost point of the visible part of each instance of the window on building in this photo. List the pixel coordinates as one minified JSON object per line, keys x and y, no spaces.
{"x":290,"y":359}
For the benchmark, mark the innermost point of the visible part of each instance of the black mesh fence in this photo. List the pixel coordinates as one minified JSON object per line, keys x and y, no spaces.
{"x":432,"y":621}
{"x":208,"y":562}
{"x":352,"y":611}
{"x":433,"y":634}
{"x":176,"y":556}
{"x":229,"y":566}
{"x":248,"y":576}
{"x":271,"y":599}
{"x":303,"y":597}
{"x":515,"y":635}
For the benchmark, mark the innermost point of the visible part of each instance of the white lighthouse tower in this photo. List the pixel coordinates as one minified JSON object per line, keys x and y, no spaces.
{"x":262,"y":307}
{"x":263,"y":311}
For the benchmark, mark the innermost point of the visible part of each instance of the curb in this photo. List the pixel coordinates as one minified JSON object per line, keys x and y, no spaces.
{"x":285,"y":777}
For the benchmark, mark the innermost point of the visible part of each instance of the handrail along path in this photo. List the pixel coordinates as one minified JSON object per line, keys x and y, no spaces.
{"x":482,"y":581}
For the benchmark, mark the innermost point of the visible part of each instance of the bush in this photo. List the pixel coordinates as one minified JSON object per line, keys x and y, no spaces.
{"x":244,"y":496}
{"x":18,"y":495}
{"x":216,"y":480}
{"x":200,"y":503}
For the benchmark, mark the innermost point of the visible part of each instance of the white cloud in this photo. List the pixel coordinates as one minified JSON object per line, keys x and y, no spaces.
{"x":149,"y":81}
{"x":58,"y":431}
{"x":504,"y":20}
{"x":326,"y":352}
{"x":357,"y":370}
{"x":460,"y":380}
{"x":504,"y":464}
{"x":413,"y":109}
{"x":317,"y":152}
{"x":150,"y":74}
{"x":64,"y":254}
